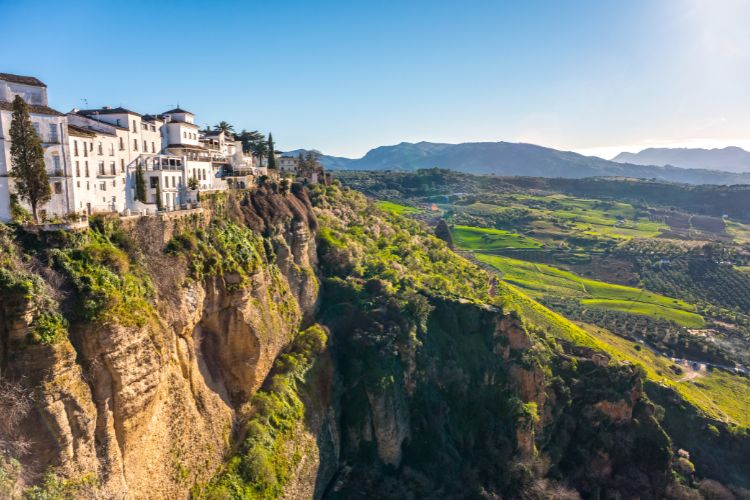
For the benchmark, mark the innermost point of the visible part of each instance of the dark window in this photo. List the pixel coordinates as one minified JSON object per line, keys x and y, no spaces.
{"x":58,"y":187}
{"x":154,"y":182}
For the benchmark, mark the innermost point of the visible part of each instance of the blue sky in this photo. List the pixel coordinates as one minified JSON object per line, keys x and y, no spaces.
{"x":346,"y":76}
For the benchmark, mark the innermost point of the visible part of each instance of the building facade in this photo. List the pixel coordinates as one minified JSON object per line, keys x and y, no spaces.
{"x":94,"y":156}
{"x":51,"y":127}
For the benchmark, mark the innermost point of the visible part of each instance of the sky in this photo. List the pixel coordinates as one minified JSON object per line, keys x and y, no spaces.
{"x":593,"y":76}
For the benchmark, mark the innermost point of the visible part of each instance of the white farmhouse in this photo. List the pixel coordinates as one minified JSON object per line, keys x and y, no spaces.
{"x":50,"y":126}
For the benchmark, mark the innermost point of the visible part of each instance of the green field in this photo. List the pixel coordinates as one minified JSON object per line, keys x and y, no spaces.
{"x":396,"y":208}
{"x":566,"y":215}
{"x":540,"y":280}
{"x":477,"y":238}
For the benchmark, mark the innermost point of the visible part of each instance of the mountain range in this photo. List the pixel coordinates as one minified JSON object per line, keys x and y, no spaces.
{"x":517,"y":159}
{"x":729,"y":159}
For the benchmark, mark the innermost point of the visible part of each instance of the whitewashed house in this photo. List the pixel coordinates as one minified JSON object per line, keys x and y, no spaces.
{"x":93,"y":155}
{"x":50,"y":126}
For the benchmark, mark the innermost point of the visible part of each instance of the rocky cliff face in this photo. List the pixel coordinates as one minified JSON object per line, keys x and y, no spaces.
{"x":169,"y":357}
{"x":148,"y":410}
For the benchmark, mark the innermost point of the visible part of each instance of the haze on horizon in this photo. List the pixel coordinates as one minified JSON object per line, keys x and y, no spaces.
{"x":343,"y":77}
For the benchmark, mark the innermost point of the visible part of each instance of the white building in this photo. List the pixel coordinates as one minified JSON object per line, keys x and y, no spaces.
{"x":288,"y":165}
{"x":93,"y":155}
{"x":50,"y":126}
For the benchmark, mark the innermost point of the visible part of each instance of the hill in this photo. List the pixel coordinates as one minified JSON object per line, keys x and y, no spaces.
{"x":505,"y":158}
{"x":730,"y":159}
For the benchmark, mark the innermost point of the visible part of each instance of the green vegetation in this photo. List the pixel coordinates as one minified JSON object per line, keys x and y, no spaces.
{"x":265,"y":463}
{"x":540,"y":280}
{"x":110,"y":287}
{"x":475,"y":238}
{"x":224,"y":248}
{"x":396,"y":208}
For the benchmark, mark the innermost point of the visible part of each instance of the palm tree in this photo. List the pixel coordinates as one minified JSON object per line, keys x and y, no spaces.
{"x":224,"y":127}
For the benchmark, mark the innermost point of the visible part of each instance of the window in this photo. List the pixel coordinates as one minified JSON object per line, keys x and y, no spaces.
{"x":75,"y":148}
{"x":184,"y":135}
{"x":153,"y":147}
{"x":85,"y":149}
{"x":135,"y":144}
{"x":36,"y":129}
{"x":154,"y":182}
{"x":52,"y":132}
{"x":114,"y":183}
{"x":78,"y":184}
{"x":135,"y":127}
{"x":122,"y":143}
{"x":113,"y":168}
{"x":119,"y":124}
{"x":88,"y":186}
{"x":174,"y":181}
{"x":144,"y":126}
{"x":56,"y":165}
{"x":58,"y":187}
{"x":78,"y":169}
{"x":99,"y":148}
{"x":101,"y":168}
{"x":102,"y":186}
{"x":111,"y":149}
{"x":153,"y":128}
{"x":86,"y":165}
{"x":122,"y":165}
{"x":145,"y":147}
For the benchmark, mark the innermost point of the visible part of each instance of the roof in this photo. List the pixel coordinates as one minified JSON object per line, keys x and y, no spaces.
{"x":177,"y":110}
{"x":185,"y":146}
{"x":183,"y":123}
{"x":86,"y":132}
{"x":152,"y":118}
{"x":33,"y":108}
{"x":107,"y":111}
{"x":79,"y":132}
{"x":25,"y":80}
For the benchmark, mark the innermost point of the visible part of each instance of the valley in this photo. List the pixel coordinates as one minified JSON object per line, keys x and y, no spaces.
{"x":651,"y":283}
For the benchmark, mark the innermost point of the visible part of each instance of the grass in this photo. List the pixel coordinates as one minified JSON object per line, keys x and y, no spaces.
{"x":720,"y":394}
{"x":540,"y":280}
{"x":476,"y":238}
{"x":396,"y":208}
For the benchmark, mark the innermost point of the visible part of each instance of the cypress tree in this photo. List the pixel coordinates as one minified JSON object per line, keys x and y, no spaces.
{"x":159,"y":205}
{"x":140,"y":185}
{"x":271,"y":156}
{"x":443,"y":232}
{"x":27,"y":159}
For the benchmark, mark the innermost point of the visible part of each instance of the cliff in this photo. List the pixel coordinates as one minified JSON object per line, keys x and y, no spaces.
{"x":298,"y":344}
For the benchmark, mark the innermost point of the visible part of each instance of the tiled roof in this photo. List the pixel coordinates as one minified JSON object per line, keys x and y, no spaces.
{"x":107,"y":111}
{"x":25,"y":80}
{"x":87,"y":132}
{"x":177,"y":110}
{"x":185,"y":146}
{"x":183,"y":123}
{"x":80,"y":132}
{"x":33,"y":108}
{"x":151,"y":118}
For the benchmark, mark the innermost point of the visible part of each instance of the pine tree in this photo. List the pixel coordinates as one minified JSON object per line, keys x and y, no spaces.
{"x":271,"y":151}
{"x":27,"y":159}
{"x":140,"y":185}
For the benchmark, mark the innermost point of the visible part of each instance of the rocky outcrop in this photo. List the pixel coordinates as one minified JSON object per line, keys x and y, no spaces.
{"x":149,"y":411}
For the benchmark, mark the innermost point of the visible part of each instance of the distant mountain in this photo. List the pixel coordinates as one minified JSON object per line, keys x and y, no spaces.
{"x":731,"y":159}
{"x":508,"y":159}
{"x":330,"y":162}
